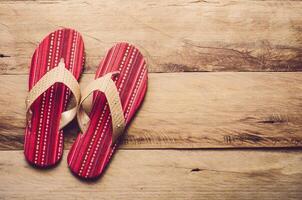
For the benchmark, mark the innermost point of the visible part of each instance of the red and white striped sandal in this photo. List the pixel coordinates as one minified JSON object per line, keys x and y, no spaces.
{"x":55,"y":67}
{"x":118,"y":90}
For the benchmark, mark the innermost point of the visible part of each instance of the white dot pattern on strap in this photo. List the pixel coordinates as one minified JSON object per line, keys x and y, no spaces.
{"x":98,"y":125}
{"x":43,"y":102}
{"x":131,"y":103}
{"x":47,"y":126}
{"x":109,"y":117}
{"x":71,"y":63}
{"x":135,"y":92}
{"x":93,"y":138}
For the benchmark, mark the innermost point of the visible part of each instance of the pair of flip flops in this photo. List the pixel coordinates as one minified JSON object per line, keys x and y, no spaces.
{"x":117,"y":91}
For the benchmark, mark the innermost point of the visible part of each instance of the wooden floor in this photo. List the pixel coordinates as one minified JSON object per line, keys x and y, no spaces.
{"x":222,"y":118}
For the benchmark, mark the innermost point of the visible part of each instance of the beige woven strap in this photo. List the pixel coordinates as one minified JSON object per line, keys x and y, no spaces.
{"x":106,"y":85}
{"x":58,"y":74}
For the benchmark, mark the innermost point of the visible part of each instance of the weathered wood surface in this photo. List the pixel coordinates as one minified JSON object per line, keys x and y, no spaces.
{"x":212,"y":35}
{"x":190,"y":110}
{"x":181,"y":110}
{"x":162,"y":174}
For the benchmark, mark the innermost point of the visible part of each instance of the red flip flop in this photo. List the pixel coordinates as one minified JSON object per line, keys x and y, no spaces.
{"x":118,"y":90}
{"x":55,"y":67}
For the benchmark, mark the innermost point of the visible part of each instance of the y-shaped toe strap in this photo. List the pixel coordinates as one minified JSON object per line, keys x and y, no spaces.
{"x":106,"y":85}
{"x":58,"y":74}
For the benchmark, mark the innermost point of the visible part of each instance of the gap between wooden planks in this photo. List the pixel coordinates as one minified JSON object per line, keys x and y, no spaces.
{"x":162,"y":174}
{"x":175,"y":35}
{"x":190,"y":110}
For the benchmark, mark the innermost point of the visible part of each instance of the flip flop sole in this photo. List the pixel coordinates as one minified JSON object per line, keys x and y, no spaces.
{"x":92,"y":150}
{"x":43,"y":143}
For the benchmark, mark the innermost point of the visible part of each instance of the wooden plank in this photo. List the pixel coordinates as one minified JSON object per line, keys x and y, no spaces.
{"x":162,"y":174}
{"x":175,"y":36}
{"x":190,"y":110}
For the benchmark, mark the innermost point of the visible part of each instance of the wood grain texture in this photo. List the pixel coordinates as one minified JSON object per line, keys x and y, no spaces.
{"x":190,"y":110}
{"x":162,"y":174}
{"x":181,"y":110}
{"x":175,"y":36}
